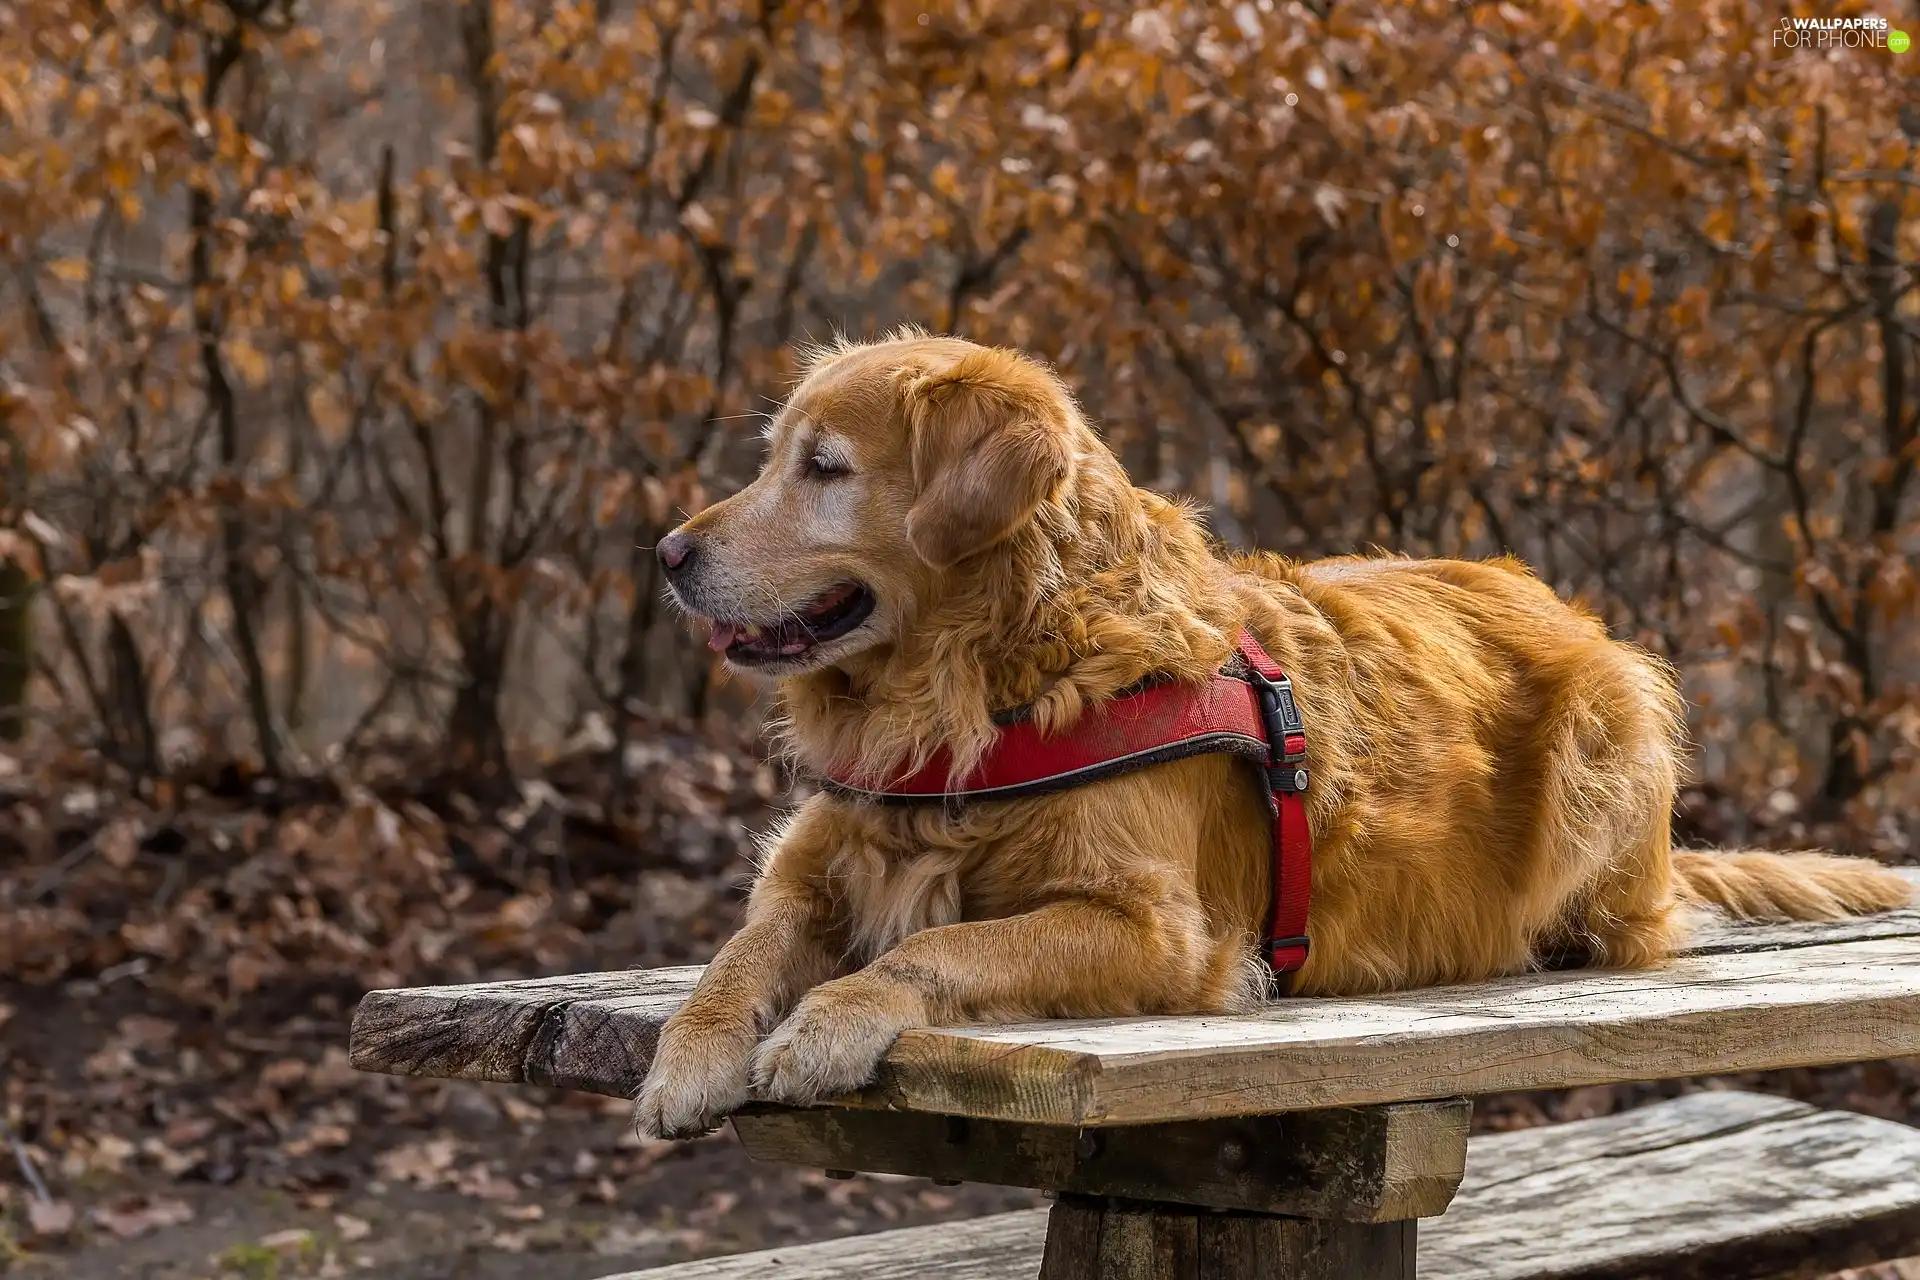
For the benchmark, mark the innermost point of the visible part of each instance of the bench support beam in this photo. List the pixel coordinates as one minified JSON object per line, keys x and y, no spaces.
{"x":1353,"y":1164}
{"x":1095,"y":1239}
{"x":1309,"y":1195}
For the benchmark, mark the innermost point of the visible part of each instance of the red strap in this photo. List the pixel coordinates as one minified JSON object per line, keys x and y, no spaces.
{"x":1287,"y":796}
{"x":1112,"y":737}
{"x":1252,"y":716}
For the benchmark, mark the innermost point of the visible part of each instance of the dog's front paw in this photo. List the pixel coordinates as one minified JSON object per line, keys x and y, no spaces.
{"x":698,"y":1077}
{"x":831,"y":1044}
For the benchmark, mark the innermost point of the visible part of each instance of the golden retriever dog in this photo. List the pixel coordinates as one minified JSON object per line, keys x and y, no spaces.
{"x":939,"y":535}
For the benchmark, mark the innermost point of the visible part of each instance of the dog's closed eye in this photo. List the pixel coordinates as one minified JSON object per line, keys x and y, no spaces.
{"x":822,"y":465}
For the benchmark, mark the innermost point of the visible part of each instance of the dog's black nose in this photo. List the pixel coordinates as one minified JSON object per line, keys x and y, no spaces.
{"x":675,"y":552}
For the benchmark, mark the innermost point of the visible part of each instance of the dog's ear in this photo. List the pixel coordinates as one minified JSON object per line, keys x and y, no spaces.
{"x":992,"y":436}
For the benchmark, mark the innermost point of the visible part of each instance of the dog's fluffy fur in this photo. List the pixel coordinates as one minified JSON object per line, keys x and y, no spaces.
{"x":1492,"y":775}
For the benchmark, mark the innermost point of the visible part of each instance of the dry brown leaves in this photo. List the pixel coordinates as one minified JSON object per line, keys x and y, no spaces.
{"x":203,"y":961}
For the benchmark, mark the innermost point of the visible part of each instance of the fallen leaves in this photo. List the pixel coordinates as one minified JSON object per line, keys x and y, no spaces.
{"x":625,"y":1238}
{"x":1900,"y":1269}
{"x":520,"y":1111}
{"x":485,"y":1183}
{"x":50,"y":1220}
{"x":119,"y":842}
{"x":89,"y":1155}
{"x":424,"y":1164}
{"x":439,"y":1162}
{"x":715,"y":1207}
{"x":126,"y":1217}
{"x":187,"y":1130}
{"x":131,"y":1217}
{"x":320,"y":1137}
{"x":183,"y":1083}
{"x":268,"y":1257}
{"x":293,"y":1242}
{"x":170,"y":1160}
{"x":209,"y":903}
{"x":283,"y":1074}
{"x":209,"y":959}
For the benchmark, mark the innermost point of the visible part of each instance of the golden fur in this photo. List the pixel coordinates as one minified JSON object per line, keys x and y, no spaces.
{"x":1492,"y":775}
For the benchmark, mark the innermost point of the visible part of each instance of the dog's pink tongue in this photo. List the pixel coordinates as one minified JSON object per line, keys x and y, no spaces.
{"x":723,"y":636}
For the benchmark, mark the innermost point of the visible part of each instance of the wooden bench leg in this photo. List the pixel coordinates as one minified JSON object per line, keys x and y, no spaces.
{"x":1305,"y":1195}
{"x":1089,"y":1238}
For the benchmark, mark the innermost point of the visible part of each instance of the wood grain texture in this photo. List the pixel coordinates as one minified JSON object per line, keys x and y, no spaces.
{"x":1099,"y":1239}
{"x":1006,"y":1246}
{"x":1813,"y":994}
{"x":568,"y":1031}
{"x":1728,"y":1004}
{"x":1372,"y":1164}
{"x":1714,"y":1186}
{"x":1702,"y":1015}
{"x":1714,"y":934}
{"x":1244,"y":1246}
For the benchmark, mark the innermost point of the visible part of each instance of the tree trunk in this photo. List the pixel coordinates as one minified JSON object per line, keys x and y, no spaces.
{"x":476,"y":741}
{"x":129,"y":717}
{"x":16,"y":648}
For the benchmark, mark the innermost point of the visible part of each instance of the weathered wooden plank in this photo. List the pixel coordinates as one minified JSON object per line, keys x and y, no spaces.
{"x":1005,"y":1246}
{"x":1717,"y":935}
{"x":573,"y":1043}
{"x":1245,"y":1246}
{"x":1715,"y":1186}
{"x":1372,"y":1164}
{"x":1700,"y":1016}
{"x":1719,"y":1186}
{"x":1728,"y":1012}
{"x":1135,"y":1242}
{"x":1709,"y":1012}
{"x":484,"y":1031}
{"x":1069,"y":1240}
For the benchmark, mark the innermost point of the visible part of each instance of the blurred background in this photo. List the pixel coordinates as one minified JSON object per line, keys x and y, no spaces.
{"x":354,"y":355}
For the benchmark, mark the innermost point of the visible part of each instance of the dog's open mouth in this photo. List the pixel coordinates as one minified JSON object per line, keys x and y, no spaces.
{"x":826,"y":617}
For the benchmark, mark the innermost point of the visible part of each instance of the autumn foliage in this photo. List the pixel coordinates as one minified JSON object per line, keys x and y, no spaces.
{"x":352,"y":356}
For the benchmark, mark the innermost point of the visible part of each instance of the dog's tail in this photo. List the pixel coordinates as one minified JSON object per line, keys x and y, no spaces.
{"x":1752,"y":885}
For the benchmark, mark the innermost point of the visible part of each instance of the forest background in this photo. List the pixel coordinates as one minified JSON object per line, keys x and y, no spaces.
{"x":353,"y":356}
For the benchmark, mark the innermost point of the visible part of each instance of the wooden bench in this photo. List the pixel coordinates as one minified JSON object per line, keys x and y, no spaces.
{"x":1323,"y":1128}
{"x":1720,"y":1186}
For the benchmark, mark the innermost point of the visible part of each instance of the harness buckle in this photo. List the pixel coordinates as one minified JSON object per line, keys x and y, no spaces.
{"x":1286,"y":777}
{"x":1286,"y":732}
{"x":1283,"y":977}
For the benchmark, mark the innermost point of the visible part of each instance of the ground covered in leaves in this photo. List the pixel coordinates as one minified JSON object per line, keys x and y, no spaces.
{"x":178,"y":970}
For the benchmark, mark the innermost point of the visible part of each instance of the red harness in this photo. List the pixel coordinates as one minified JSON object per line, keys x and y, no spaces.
{"x":1247,"y":709}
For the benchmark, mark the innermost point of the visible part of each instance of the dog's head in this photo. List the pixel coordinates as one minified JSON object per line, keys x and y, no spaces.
{"x":893,"y":469}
